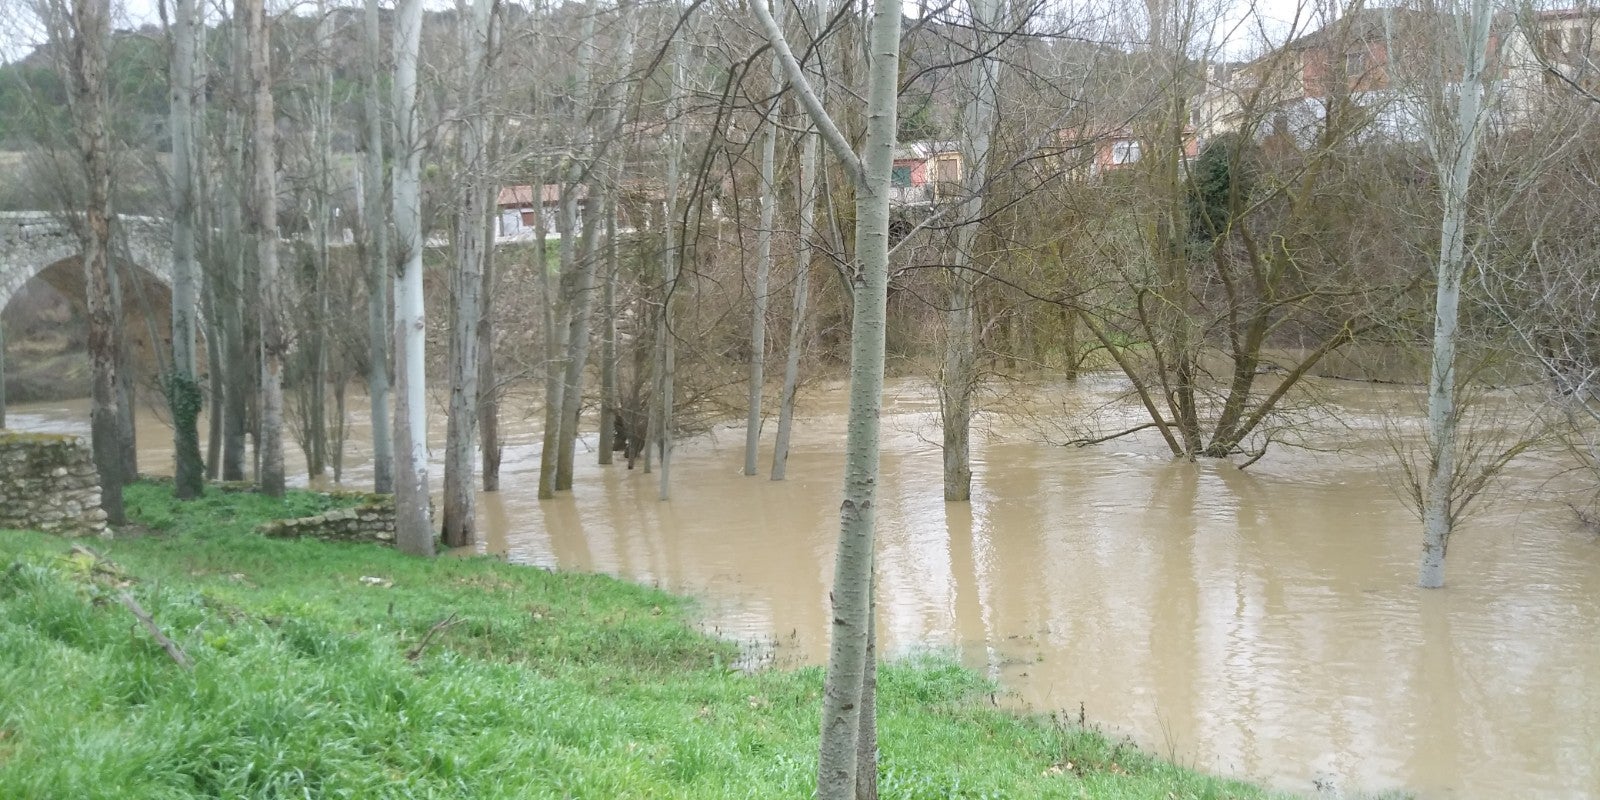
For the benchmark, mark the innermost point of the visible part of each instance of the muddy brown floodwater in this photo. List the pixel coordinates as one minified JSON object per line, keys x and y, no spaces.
{"x":1261,"y":624}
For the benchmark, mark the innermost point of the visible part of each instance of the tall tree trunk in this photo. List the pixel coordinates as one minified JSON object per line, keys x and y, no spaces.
{"x":807,"y":203}
{"x":88,"y":30}
{"x":608,"y":341}
{"x":264,"y":230}
{"x":844,"y":699}
{"x":322,"y":157}
{"x":579,"y":323}
{"x":232,"y":291}
{"x":559,"y":302}
{"x":666,"y":363}
{"x":577,"y":340}
{"x":216,"y":375}
{"x":466,"y":288}
{"x":183,"y":385}
{"x":557,"y":309}
{"x":1455,"y":148}
{"x":960,"y":377}
{"x":488,"y":381}
{"x":413,"y":531}
{"x":758,"y":316}
{"x":375,"y":229}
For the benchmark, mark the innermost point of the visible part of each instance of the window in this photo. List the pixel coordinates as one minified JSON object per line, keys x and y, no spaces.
{"x":510,"y":221}
{"x":900,"y":177}
{"x":1355,"y":63}
{"x":1125,"y":152}
{"x":949,"y":170}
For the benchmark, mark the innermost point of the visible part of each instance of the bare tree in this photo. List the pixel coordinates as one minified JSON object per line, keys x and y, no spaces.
{"x":263,"y":227}
{"x":848,"y":691}
{"x":467,"y":282}
{"x":758,"y":316}
{"x":375,"y":244}
{"x":671,"y":266}
{"x":183,"y":385}
{"x":413,"y":531}
{"x":80,"y":31}
{"x":959,"y":377}
{"x":806,"y":202}
{"x":1454,"y":115}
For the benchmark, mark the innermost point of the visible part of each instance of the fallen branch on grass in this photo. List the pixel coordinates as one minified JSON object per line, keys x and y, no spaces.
{"x":168,"y":645}
{"x":416,"y":652}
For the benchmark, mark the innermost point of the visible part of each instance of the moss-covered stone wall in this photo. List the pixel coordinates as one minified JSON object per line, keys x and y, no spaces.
{"x":48,"y":483}
{"x":371,"y":519}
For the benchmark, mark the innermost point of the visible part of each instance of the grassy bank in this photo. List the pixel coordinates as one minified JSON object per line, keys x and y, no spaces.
{"x":315,"y":675}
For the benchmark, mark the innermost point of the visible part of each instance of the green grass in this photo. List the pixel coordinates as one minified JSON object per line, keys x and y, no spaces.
{"x":548,"y":685}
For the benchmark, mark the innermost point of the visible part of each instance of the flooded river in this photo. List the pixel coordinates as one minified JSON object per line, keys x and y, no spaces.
{"x":1261,"y":624}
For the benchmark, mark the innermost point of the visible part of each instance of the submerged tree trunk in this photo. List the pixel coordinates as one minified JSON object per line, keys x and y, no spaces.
{"x":578,"y":312}
{"x":844,"y":693}
{"x":183,"y":385}
{"x":608,"y":341}
{"x":557,"y":311}
{"x":375,"y":231}
{"x":758,"y":316}
{"x":807,"y":203}
{"x":466,"y":288}
{"x":960,"y":377}
{"x":1455,"y":148}
{"x":578,"y":334}
{"x":666,"y":364}
{"x":488,"y":382}
{"x":413,"y":531}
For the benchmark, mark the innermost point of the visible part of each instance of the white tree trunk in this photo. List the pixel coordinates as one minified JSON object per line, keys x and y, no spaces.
{"x":807,"y":203}
{"x":843,"y":701}
{"x":466,"y":288}
{"x":183,"y":386}
{"x":264,"y":230}
{"x":413,"y":530}
{"x":375,"y":229}
{"x":758,"y":316}
{"x":959,"y":378}
{"x":1455,"y":147}
{"x":666,"y":365}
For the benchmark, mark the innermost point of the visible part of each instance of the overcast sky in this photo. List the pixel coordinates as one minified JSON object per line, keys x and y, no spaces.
{"x":19,"y":33}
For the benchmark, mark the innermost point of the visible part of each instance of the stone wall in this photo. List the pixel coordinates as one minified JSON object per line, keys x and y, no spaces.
{"x":370,"y":520}
{"x":48,"y":483}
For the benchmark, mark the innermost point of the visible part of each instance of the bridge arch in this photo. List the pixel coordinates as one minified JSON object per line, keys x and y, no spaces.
{"x":43,"y":246}
{"x":36,"y":244}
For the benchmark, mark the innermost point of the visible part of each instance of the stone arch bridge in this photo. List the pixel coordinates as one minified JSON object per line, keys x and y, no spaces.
{"x":42,"y":244}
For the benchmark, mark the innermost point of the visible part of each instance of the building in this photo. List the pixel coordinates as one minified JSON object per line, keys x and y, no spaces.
{"x":925,"y":174}
{"x":519,"y":213}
